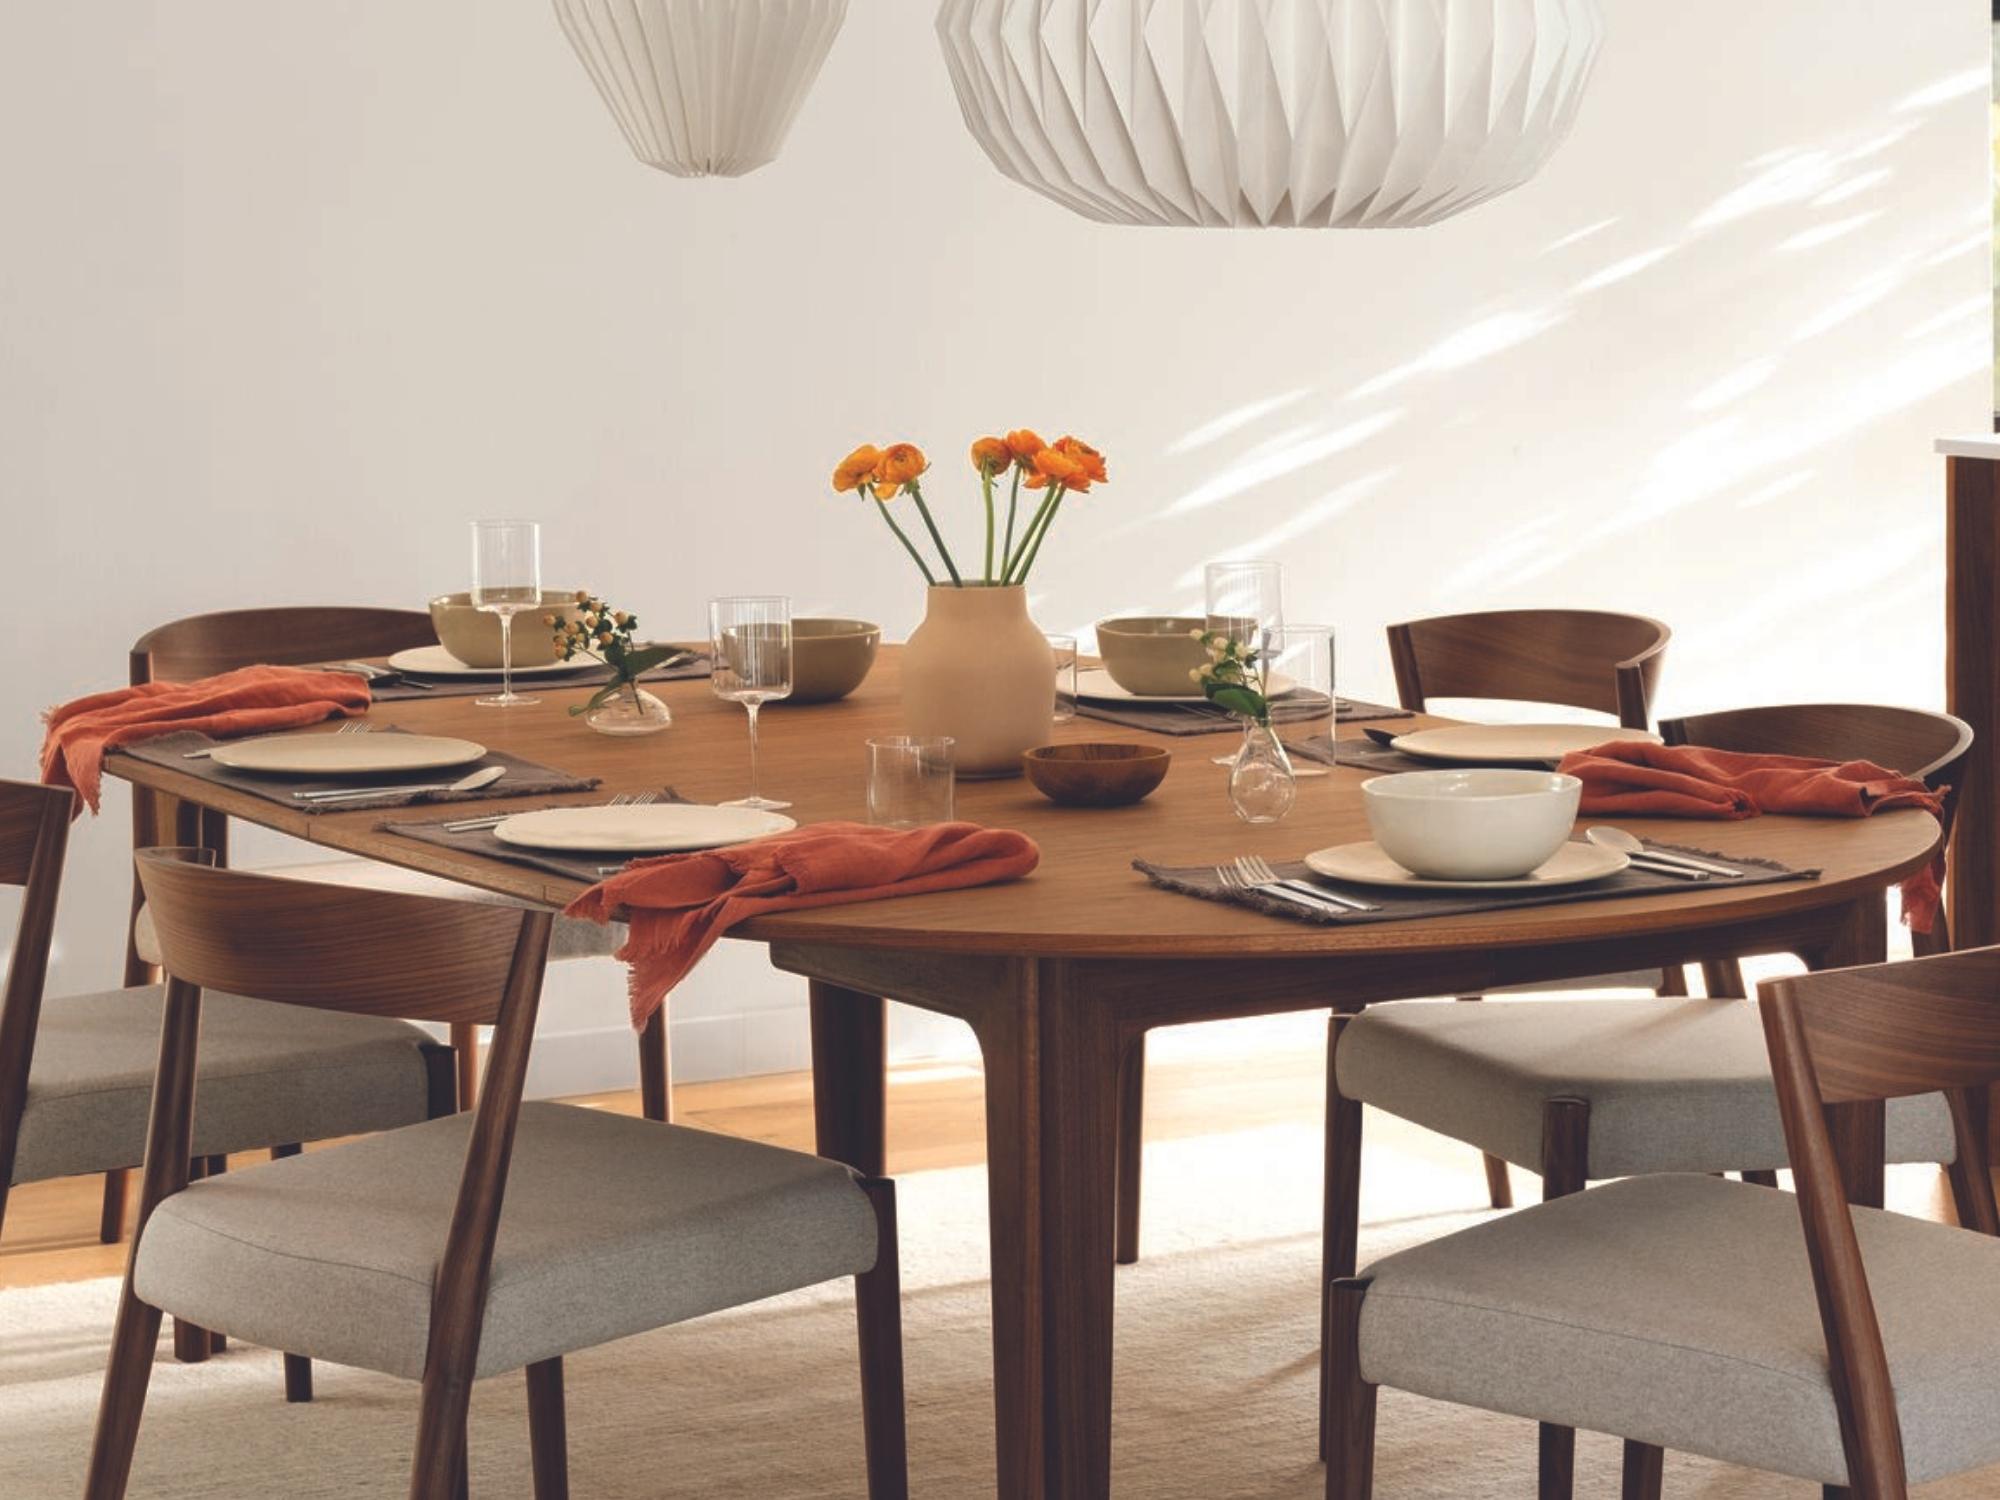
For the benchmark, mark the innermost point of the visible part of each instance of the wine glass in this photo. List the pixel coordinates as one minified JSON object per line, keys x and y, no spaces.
{"x":506,"y":579}
{"x":1246,"y":600}
{"x":751,"y":640}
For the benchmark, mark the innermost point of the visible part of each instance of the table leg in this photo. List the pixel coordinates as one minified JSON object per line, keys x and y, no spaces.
{"x":1052,"y":1065}
{"x":850,"y":1047}
{"x":1857,"y":1129}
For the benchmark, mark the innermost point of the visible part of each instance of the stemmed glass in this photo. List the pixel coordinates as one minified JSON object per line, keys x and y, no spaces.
{"x":506,"y":579}
{"x":751,"y":639}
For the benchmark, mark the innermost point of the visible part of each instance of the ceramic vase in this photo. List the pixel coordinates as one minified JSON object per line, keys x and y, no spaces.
{"x":980,"y":671}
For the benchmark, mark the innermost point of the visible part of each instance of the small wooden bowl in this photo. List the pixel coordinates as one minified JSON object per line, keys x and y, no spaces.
{"x":1095,"y":774}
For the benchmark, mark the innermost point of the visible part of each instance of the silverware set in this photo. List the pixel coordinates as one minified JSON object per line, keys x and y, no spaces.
{"x":1250,"y":872}
{"x":484,"y":777}
{"x":494,"y":820}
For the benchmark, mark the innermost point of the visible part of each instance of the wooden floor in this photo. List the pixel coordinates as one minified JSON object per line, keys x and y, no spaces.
{"x":936,"y":1119}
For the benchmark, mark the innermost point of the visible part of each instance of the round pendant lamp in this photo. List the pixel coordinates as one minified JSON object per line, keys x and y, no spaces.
{"x":1257,"y":113}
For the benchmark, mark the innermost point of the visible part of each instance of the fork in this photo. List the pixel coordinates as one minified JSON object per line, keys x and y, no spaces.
{"x":348,"y":726}
{"x":494,"y":820}
{"x":1258,"y":875}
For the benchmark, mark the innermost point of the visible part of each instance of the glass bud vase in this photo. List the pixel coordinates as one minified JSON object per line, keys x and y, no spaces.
{"x":631,"y":710}
{"x":1262,"y":784}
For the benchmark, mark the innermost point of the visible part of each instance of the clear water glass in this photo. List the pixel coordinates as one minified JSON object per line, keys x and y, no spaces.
{"x":1064,"y":647}
{"x":506,"y":579}
{"x":1245,"y":600}
{"x":750,"y":639}
{"x":1302,"y":664}
{"x":911,"y":780}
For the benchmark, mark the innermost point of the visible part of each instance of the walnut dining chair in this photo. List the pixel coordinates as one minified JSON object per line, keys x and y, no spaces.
{"x":1587,"y":1089}
{"x":202,"y":645}
{"x":76,"y":1071}
{"x":494,"y":1240}
{"x":1578,"y":658}
{"x":1689,"y":1312}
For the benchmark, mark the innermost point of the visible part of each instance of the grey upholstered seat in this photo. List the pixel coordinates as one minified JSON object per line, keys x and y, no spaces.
{"x":572,"y":938}
{"x":1679,"y":1310}
{"x":269,"y":1075}
{"x":611,"y":1226}
{"x":1674,"y":1085}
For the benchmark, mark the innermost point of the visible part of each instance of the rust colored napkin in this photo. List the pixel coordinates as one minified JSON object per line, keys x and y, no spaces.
{"x":250,"y":700}
{"x":679,"y":904}
{"x":1639,"y":779}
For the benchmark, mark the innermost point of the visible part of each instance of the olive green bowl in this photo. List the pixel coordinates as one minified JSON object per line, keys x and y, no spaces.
{"x":831,"y":658}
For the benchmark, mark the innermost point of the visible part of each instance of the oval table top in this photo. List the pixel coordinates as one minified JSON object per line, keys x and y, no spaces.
{"x":1085,"y":899}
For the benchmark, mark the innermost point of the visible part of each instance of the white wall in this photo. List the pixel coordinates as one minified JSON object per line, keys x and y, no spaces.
{"x":288,"y":291}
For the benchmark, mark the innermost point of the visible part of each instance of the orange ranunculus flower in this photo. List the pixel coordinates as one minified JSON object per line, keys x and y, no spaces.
{"x":1024,"y":445}
{"x":1054,"y":467}
{"x":857,"y":468}
{"x":991,"y":455}
{"x":899,"y":464}
{"x":1087,"y":459}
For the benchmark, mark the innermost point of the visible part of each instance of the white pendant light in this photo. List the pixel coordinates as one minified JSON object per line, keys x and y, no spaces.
{"x":1320,"y":113}
{"x":703,"y":87}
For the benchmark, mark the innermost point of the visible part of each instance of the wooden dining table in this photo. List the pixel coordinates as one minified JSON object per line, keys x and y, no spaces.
{"x":1060,"y":975}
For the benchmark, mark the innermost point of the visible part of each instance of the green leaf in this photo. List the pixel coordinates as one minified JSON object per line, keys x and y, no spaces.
{"x":1239,"y":700}
{"x":598,"y":699}
{"x":636,"y":662}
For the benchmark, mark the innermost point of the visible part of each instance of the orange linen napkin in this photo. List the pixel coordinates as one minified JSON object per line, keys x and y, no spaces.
{"x":250,"y":700}
{"x":679,"y":904}
{"x":1638,"y":779}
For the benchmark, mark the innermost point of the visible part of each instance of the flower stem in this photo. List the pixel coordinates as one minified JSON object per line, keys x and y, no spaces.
{"x":908,"y":546}
{"x":917,"y":494}
{"x":1016,"y":557}
{"x":1055,"y":504}
{"x":986,"y":490}
{"x":1013,"y":499}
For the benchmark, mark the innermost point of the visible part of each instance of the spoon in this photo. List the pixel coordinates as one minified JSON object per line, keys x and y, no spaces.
{"x":1626,"y":844}
{"x":483,"y":777}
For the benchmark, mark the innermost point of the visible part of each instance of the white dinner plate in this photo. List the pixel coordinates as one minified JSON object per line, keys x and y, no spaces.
{"x":435,"y":661}
{"x":667,"y":828}
{"x":345,"y":754}
{"x":1512,"y":744}
{"x":1099,"y":686}
{"x":1366,"y":864}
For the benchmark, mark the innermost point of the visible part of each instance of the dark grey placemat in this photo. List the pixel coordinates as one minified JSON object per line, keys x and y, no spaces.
{"x":524,"y":778}
{"x":404,"y":689}
{"x":1179,"y":719}
{"x":589,"y":868}
{"x":1364,"y":754}
{"x":1397,"y":905}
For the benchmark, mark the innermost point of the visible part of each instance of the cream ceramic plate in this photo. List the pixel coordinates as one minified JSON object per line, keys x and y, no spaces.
{"x":1511,"y":744}
{"x":667,"y":829}
{"x":345,"y":754}
{"x":435,"y":661}
{"x":1366,"y":864}
{"x":1099,"y":686}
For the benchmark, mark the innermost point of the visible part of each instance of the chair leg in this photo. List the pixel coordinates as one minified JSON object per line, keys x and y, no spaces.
{"x":218,"y":1342}
{"x":111,"y":1217}
{"x":461,"y":1470}
{"x":1565,"y":1170}
{"x":1348,"y":1409}
{"x":438,"y":1469}
{"x":1645,"y":1469}
{"x":548,"y":1441}
{"x":1131,"y":1146}
{"x":1673,"y":982}
{"x":124,"y":1399}
{"x":656,"y":1069}
{"x":1499,"y":1186}
{"x":465,"y":1045}
{"x":1340,"y":1229}
{"x":192,"y":1345}
{"x":298,"y":1369}
{"x":878,"y":1307}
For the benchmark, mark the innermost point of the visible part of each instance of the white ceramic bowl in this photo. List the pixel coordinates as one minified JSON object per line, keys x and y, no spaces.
{"x":1471,"y":825}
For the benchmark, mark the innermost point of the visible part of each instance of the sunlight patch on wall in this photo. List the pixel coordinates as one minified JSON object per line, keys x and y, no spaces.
{"x":1236,"y":419}
{"x":1476,"y":341}
{"x":1285,"y":459}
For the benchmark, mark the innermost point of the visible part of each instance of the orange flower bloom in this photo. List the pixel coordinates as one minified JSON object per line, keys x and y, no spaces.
{"x":991,"y":455}
{"x":1024,"y":445}
{"x":857,"y":468}
{"x":899,"y":464}
{"x":1087,"y":459}
{"x":1053,"y":467}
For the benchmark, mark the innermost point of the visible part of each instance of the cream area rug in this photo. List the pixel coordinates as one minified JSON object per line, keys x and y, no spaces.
{"x":1215,"y":1376}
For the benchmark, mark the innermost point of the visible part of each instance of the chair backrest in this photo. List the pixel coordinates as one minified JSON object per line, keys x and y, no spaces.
{"x":1845,"y":1041}
{"x":202,"y":645}
{"x":1930,"y":747}
{"x":34,"y":837}
{"x":1583,"y":658}
{"x":303,"y":943}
